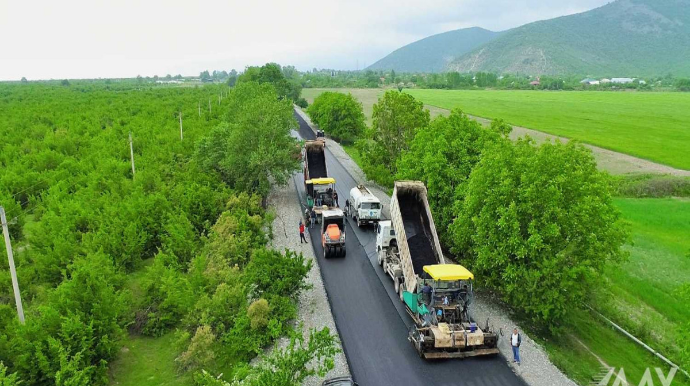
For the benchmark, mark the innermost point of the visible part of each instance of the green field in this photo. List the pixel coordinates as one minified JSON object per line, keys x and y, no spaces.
{"x":652,"y":126}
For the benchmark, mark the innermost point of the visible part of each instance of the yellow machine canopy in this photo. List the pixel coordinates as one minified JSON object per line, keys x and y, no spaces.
{"x":321,"y":181}
{"x":448,"y":272}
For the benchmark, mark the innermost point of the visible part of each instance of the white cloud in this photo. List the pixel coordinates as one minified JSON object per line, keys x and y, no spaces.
{"x":123,"y":38}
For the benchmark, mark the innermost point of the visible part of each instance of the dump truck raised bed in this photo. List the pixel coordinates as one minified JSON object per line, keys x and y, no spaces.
{"x":364,"y":207}
{"x":436,"y":294}
{"x":314,"y":160}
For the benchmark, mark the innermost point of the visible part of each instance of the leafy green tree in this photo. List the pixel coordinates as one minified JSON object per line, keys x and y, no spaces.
{"x":539,"y":224}
{"x":443,"y":155}
{"x":339,"y":115}
{"x":205,"y":76}
{"x":255,"y":147}
{"x":24,"y":80}
{"x":65,"y":82}
{"x":396,"y":118}
{"x":273,"y":74}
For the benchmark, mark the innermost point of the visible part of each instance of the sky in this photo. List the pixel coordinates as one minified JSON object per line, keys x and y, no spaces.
{"x":48,"y":39}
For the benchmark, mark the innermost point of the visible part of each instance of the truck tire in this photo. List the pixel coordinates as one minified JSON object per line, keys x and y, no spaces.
{"x":396,"y":285}
{"x":344,"y":252}
{"x":401,"y":291}
{"x":380,"y":258}
{"x":325,"y":252}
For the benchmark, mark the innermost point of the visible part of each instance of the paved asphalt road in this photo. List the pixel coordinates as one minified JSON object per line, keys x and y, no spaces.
{"x":370,"y":318}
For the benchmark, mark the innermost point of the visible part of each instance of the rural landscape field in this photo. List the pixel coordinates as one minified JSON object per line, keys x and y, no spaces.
{"x":371,"y":198}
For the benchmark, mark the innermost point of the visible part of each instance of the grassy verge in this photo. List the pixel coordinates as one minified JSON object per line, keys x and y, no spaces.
{"x":352,"y":151}
{"x":145,"y":361}
{"x":646,"y":125}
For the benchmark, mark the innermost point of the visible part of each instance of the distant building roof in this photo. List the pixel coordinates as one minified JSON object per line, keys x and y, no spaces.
{"x":622,"y":80}
{"x":588,"y":80}
{"x":535,"y":83}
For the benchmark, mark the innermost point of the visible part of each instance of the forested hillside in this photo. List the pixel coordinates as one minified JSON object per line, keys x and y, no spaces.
{"x":434,"y":53}
{"x":189,"y":221}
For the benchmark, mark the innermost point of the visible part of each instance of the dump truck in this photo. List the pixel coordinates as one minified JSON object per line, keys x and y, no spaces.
{"x":318,"y":187}
{"x":364,"y":207}
{"x":333,"y":233}
{"x":436,"y":293}
{"x":314,"y":160}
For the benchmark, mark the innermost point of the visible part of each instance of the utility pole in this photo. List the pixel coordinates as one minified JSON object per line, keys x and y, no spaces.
{"x":181,"y":137}
{"x":219,"y":97}
{"x":13,"y":271}
{"x":131,"y":153}
{"x":209,"y":105}
{"x":199,"y":109}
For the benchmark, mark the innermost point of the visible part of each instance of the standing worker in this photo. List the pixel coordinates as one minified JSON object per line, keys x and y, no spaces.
{"x":335,"y":198}
{"x":515,"y":341}
{"x":301,"y":233}
{"x":313,"y":217}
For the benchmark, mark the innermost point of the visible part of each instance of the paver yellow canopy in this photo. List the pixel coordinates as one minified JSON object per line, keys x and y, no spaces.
{"x":448,"y":272}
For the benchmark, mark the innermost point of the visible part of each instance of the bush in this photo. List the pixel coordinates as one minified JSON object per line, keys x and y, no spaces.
{"x":200,"y":352}
{"x":338,"y":115}
{"x":654,"y":186}
{"x":258,"y":314}
{"x":301,"y":102}
{"x":8,"y":379}
{"x":274,"y":273}
{"x":286,"y":367}
{"x":539,"y":224}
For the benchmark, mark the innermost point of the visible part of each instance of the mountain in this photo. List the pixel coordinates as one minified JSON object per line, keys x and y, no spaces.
{"x":622,"y":38}
{"x":432,"y":54}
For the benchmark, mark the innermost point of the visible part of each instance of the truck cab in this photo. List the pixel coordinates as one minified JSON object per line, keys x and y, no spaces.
{"x":321,"y":137}
{"x":385,"y":235}
{"x":364,"y":206}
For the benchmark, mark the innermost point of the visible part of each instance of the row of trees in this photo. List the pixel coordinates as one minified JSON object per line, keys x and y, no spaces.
{"x":82,"y":223}
{"x":479,"y":80}
{"x":534,"y":222}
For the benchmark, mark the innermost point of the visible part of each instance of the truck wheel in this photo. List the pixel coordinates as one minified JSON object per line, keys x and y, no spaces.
{"x":344,"y":252}
{"x":325,"y":252}
{"x":400,"y":292}
{"x":396,"y":285}
{"x":380,"y":258}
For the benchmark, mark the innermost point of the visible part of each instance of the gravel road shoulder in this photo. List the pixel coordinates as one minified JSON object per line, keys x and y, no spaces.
{"x":536,"y":368}
{"x":314,"y":311}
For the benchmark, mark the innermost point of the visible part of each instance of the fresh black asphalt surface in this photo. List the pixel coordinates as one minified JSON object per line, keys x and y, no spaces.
{"x":370,"y":318}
